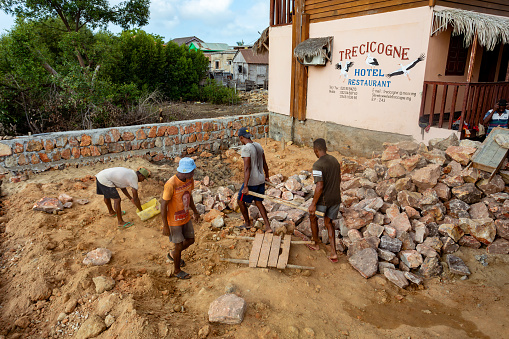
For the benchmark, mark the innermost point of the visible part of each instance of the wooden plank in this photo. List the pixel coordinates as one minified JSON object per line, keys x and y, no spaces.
{"x":442,"y":106}
{"x":453,"y":105}
{"x":283,"y":258}
{"x":255,"y":251}
{"x":265,"y":251}
{"x":432,"y":105}
{"x":366,"y":8}
{"x":274,"y":251}
{"x":490,"y":155}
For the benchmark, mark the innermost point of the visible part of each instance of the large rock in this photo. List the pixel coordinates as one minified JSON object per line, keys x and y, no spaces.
{"x":103,"y":283}
{"x":443,"y":191}
{"x":452,"y":230}
{"x":470,"y":175}
{"x":48,"y":205}
{"x":426,"y":177}
{"x":218,"y":222}
{"x":434,"y":243}
{"x":293,"y":184}
{"x":390,"y":244}
{"x":91,"y":328}
{"x":296,"y":215}
{"x":391,"y":153}
{"x":444,"y":143}
{"x":386,"y":255}
{"x":436,"y":156}
{"x":357,"y":218}
{"x":449,"y":246}
{"x":274,"y":192}
{"x":469,"y":241}
{"x":227,"y":309}
{"x":495,"y":185}
{"x":499,"y":246}
{"x":277,"y":215}
{"x":411,"y":163}
{"x":407,"y":198}
{"x":502,"y":228}
{"x":411,"y":258}
{"x":467,"y":193}
{"x":483,"y":230}
{"x":456,"y":265}
{"x":396,"y":170}
{"x":365,"y":261}
{"x":426,"y":251}
{"x":460,"y":154}
{"x":431,"y":267}
{"x":429,"y":197}
{"x":396,"y":277}
{"x":479,"y":211}
{"x":401,"y":223}
{"x":98,"y":257}
{"x":457,"y":208}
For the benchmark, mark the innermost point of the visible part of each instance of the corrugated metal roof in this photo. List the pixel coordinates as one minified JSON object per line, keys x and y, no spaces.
{"x":252,"y":58}
{"x":211,"y":46}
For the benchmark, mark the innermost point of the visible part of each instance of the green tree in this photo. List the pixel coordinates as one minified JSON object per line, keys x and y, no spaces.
{"x":75,"y":15}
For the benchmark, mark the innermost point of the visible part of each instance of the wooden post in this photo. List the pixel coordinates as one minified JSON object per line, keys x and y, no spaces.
{"x":272,"y":12}
{"x":469,"y":80}
{"x":303,"y":75}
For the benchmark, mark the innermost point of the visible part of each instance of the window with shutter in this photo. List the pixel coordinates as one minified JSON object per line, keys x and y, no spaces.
{"x":457,"y":56}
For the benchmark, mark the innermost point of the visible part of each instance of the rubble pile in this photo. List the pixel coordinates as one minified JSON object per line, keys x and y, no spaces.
{"x":405,"y":212}
{"x":258,"y":97}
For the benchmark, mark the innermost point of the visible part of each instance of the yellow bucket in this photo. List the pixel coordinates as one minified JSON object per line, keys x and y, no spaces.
{"x":150,"y":209}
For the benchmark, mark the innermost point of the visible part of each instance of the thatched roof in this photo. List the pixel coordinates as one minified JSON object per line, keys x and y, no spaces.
{"x":312,"y":47}
{"x":490,"y":29}
{"x":261,"y":45}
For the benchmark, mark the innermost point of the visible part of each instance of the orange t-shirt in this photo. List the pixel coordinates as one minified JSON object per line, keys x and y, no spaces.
{"x":179,"y":195}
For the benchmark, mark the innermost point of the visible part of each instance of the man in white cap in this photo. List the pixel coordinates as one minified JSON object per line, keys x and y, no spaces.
{"x":177,"y":224}
{"x":110,"y":179}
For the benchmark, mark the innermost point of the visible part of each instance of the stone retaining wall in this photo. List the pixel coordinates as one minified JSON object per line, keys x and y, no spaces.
{"x":155,"y":142}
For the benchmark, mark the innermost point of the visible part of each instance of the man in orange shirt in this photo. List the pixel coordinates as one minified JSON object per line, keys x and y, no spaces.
{"x":177,"y":224}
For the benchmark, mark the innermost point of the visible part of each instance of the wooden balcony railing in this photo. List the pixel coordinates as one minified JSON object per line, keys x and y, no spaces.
{"x":445,"y":102}
{"x":281,"y":12}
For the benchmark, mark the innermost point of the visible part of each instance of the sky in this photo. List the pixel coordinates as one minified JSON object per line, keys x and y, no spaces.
{"x":224,"y":21}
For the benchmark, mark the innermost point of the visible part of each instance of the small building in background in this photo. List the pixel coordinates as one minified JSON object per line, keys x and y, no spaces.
{"x":186,"y":40}
{"x":250,"y":70}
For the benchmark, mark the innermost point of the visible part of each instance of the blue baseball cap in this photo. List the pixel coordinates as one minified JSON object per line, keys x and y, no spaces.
{"x":186,"y":165}
{"x":244,"y":132}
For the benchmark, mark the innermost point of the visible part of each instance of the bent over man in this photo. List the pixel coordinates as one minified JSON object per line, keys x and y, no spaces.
{"x":256,"y":172}
{"x":327,"y":197}
{"x":177,"y":224}
{"x":110,"y":179}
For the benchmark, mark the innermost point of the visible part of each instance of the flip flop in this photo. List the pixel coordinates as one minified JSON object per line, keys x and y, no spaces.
{"x":335,"y":260}
{"x":243,"y":227}
{"x":183,"y":275}
{"x":182,"y":262}
{"x":114,"y":215}
{"x":126,"y":225}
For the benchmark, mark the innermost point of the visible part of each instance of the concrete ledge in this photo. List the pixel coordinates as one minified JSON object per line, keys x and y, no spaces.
{"x":349,"y":141}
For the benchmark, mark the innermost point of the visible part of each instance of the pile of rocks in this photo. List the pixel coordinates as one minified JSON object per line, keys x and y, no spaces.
{"x":406,"y":207}
{"x":403,"y":209}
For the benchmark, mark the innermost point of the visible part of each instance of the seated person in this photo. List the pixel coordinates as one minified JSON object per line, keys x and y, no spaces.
{"x":497,"y":117}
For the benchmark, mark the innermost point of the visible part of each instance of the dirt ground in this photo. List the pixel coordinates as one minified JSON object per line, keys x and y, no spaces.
{"x":42,"y":273}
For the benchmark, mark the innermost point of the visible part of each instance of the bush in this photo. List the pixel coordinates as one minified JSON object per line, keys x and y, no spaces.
{"x":216,"y":94}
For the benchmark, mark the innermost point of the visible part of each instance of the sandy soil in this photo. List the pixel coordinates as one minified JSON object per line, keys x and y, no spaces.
{"x":42,"y":273}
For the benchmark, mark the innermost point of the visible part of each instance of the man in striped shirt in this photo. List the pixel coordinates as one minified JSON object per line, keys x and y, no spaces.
{"x":497,"y":117}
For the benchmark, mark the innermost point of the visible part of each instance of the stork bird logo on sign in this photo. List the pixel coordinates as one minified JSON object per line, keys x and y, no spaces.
{"x":405,"y":70}
{"x":370,"y":61}
{"x":343,"y":68}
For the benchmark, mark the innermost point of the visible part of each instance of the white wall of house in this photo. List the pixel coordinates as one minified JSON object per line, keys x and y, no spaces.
{"x":243,"y":71}
{"x":366,"y":98}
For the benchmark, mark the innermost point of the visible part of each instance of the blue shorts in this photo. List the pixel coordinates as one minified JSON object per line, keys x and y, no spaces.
{"x":249,"y":198}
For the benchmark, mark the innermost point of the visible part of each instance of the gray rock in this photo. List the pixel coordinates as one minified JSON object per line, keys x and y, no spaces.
{"x":413,"y":278}
{"x":218,"y":222}
{"x":390,"y":244}
{"x":385,"y":255}
{"x":431,"y":267}
{"x":383,"y":265}
{"x":456,"y":265}
{"x":499,"y":246}
{"x":227,"y":309}
{"x":365,"y":261}
{"x":396,"y":277}
{"x":109,"y":320}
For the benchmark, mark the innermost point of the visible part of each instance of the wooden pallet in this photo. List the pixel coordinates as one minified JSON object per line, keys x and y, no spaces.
{"x":490,"y":155}
{"x":269,"y":250}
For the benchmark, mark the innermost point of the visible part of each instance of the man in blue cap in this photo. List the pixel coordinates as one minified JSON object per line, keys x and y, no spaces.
{"x":177,"y":224}
{"x":255,"y":166}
